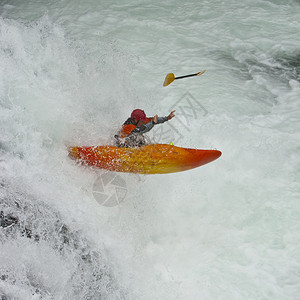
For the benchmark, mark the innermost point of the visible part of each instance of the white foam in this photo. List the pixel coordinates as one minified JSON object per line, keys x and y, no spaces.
{"x":217,"y":232}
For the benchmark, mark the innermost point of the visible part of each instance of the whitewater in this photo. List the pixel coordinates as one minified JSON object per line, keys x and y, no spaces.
{"x":71,"y":72}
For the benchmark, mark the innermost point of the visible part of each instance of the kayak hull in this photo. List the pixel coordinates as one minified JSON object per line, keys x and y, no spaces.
{"x":148,"y":159}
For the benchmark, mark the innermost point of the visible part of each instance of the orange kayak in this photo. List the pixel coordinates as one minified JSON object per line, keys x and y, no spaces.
{"x":148,"y":159}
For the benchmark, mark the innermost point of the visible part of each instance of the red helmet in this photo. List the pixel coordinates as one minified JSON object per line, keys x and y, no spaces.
{"x":138,"y":114}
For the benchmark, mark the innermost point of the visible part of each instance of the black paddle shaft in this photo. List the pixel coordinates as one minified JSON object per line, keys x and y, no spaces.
{"x":191,"y":75}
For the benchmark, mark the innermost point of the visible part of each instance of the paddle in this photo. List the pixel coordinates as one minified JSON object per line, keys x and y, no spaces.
{"x":171,"y":77}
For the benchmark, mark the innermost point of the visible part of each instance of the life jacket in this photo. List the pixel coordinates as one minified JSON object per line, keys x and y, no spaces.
{"x":130,"y":125}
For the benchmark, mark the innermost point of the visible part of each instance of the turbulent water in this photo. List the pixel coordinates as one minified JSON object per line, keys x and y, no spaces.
{"x":71,"y":72}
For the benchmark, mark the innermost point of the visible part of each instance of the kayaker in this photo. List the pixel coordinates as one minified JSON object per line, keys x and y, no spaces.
{"x":131,"y":133}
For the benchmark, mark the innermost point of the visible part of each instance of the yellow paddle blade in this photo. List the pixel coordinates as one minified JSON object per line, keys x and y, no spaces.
{"x":200,"y":73}
{"x":169,"y":79}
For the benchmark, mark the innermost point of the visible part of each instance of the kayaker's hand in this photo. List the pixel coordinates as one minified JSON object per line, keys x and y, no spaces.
{"x":171,"y":115}
{"x":154,"y":120}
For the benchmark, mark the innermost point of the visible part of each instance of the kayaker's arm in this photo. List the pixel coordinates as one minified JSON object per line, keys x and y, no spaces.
{"x":161,"y":120}
{"x":148,"y":126}
{"x":155,"y":120}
